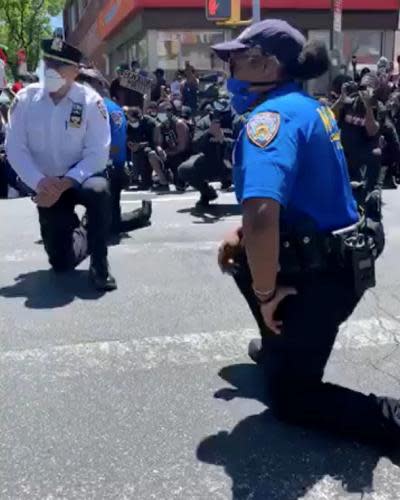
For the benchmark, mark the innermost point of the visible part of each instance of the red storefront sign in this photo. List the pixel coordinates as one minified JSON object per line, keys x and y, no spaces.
{"x":116,"y":12}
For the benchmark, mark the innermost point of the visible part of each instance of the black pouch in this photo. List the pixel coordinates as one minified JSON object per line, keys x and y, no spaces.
{"x":361,"y":259}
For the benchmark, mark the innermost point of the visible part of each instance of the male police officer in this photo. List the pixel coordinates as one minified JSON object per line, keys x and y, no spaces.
{"x":301,"y":281}
{"x":117,"y":171}
{"x":58,"y":142}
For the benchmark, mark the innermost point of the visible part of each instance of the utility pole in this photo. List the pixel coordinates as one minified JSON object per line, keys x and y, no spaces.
{"x":256,"y":11}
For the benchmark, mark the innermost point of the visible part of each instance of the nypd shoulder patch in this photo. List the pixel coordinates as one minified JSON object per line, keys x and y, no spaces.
{"x":263,"y":128}
{"x":117,"y":118}
{"x":102,"y":109}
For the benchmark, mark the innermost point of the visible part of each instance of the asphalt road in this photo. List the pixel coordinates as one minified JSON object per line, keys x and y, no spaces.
{"x":147,"y":392}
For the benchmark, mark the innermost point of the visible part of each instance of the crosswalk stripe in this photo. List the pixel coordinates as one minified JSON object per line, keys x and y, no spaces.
{"x":219,"y":346}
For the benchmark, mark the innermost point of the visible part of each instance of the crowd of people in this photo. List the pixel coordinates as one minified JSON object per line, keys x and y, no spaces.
{"x":182,"y":136}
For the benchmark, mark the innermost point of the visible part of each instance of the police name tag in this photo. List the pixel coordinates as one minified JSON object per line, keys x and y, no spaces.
{"x":263,"y":128}
{"x":75,"y":119}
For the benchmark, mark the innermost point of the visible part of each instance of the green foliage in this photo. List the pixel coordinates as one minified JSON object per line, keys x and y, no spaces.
{"x":23,"y":23}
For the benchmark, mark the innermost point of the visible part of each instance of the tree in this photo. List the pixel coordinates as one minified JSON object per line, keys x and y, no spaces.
{"x":23,"y":23}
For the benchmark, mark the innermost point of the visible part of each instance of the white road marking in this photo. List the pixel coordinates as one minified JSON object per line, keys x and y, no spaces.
{"x":152,"y":352}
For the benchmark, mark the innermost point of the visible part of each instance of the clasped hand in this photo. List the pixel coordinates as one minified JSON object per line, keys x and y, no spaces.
{"x":49,"y":191}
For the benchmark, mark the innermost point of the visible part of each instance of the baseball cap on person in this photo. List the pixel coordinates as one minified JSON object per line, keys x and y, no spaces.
{"x":273,"y":36}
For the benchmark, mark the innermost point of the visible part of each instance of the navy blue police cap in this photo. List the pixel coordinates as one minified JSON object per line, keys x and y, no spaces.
{"x":272,"y":36}
{"x":92,"y":74}
{"x":57,"y":49}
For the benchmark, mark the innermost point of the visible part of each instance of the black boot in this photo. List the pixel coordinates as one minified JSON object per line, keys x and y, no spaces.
{"x":207,"y":195}
{"x":100,"y":276}
{"x":255,"y":351}
{"x":147,"y":208}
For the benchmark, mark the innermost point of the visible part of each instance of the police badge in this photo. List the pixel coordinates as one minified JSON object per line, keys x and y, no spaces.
{"x":263,"y":128}
{"x":75,"y":118}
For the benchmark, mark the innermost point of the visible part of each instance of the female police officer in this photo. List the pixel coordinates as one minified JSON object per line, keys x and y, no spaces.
{"x":291,"y":179}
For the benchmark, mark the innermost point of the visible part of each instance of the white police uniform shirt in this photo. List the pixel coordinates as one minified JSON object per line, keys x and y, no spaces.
{"x":69,"y":139}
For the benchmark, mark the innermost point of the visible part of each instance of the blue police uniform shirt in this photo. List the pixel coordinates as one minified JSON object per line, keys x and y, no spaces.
{"x":118,"y":125}
{"x":290,"y":151}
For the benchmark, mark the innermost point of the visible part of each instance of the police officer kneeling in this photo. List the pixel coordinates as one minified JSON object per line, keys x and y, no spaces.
{"x":300,"y":277}
{"x":58,"y":142}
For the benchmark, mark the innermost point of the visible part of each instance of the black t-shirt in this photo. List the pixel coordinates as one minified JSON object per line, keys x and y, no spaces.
{"x":144,"y":133}
{"x":354,"y":136}
{"x":156,"y":90}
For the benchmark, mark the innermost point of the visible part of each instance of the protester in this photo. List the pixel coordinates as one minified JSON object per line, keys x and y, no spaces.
{"x":159,"y":82}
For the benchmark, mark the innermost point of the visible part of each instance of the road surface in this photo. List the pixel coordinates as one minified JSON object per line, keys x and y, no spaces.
{"x":147,"y":392}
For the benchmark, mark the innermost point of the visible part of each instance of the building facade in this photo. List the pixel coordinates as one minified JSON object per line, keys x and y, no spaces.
{"x":166,"y":33}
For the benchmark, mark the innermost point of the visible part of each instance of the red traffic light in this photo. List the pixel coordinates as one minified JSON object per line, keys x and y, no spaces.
{"x":218,"y":10}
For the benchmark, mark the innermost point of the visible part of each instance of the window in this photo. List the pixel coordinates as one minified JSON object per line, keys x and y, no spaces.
{"x":173,"y":49}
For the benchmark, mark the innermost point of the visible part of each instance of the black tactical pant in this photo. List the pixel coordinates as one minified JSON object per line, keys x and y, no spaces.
{"x":365,"y":167}
{"x":65,"y":242}
{"x":294,"y":361}
{"x":123,"y":223}
{"x":199,"y":169}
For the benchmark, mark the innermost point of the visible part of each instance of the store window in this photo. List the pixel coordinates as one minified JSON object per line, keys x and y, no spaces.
{"x":367,"y":45}
{"x":173,"y":49}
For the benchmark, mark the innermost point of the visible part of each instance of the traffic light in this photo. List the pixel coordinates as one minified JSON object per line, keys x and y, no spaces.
{"x":218,"y":10}
{"x":225,"y":12}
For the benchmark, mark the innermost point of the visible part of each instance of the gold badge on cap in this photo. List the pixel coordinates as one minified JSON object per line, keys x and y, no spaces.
{"x":262,"y":128}
{"x":57,"y":44}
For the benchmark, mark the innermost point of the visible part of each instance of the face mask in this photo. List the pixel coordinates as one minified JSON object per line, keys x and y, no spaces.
{"x":154,"y":114}
{"x":242,"y":97}
{"x":53,"y":81}
{"x":163,"y":117}
{"x":134,"y":124}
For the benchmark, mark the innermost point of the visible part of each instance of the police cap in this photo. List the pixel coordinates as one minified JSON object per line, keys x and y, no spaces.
{"x":273,"y":36}
{"x":57,"y":49}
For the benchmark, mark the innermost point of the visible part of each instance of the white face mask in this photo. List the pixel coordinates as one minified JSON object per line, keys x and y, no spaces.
{"x":163,"y":117}
{"x":53,"y":81}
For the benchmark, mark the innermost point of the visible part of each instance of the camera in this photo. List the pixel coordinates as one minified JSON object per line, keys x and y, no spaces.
{"x":351,"y":88}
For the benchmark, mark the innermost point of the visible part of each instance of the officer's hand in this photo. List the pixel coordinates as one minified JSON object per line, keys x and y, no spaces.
{"x":228,"y":250}
{"x":45,"y":199}
{"x":268,"y":310}
{"x":51,"y":185}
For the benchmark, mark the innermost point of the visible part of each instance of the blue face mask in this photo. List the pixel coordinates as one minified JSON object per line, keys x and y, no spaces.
{"x":242,"y":98}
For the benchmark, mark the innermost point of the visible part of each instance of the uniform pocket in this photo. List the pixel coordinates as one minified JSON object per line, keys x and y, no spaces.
{"x":73,"y":139}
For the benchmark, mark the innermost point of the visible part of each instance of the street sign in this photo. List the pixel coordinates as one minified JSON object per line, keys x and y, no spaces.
{"x":218,"y":10}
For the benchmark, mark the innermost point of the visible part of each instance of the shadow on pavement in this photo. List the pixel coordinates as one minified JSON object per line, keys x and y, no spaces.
{"x":44,"y":289}
{"x":268,"y":460}
{"x":213,"y":213}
